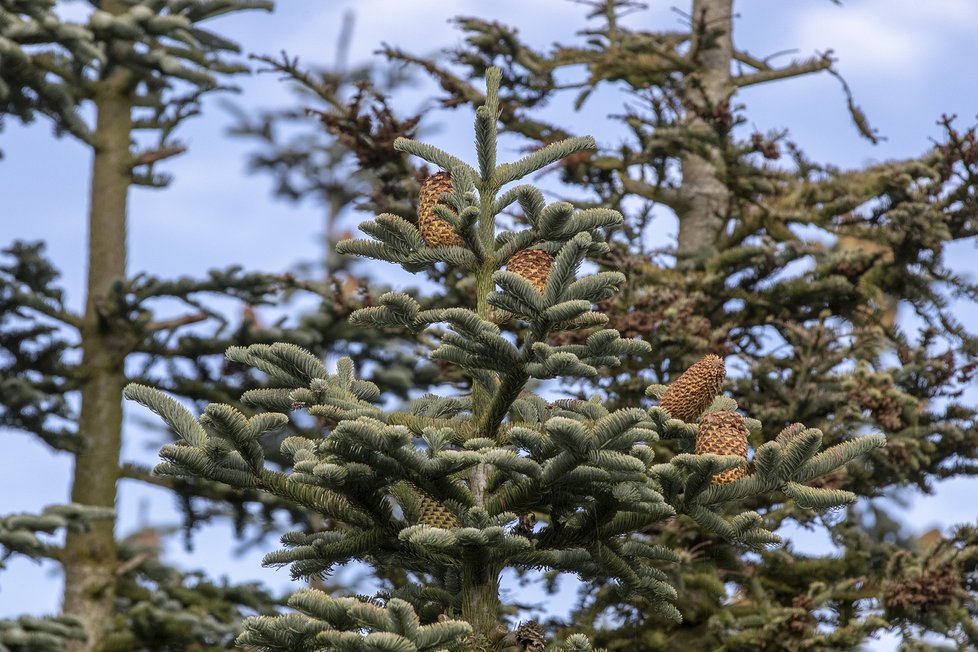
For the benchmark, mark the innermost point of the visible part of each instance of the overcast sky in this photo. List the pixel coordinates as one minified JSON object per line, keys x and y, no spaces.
{"x":908,"y":62}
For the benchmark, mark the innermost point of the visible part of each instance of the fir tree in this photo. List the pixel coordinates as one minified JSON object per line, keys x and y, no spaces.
{"x":751,"y":206}
{"x":448,"y":490}
{"x":142,"y":67}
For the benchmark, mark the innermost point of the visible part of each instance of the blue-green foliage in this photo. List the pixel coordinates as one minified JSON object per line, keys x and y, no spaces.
{"x":21,"y":534}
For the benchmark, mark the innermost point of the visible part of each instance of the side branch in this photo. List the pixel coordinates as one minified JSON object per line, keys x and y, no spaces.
{"x":509,"y":389}
{"x":62,"y":315}
{"x":320,"y":500}
{"x":176,"y":322}
{"x":796,"y":69}
{"x":665,"y":195}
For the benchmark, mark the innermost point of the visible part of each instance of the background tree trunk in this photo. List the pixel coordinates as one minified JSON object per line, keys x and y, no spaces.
{"x":90,"y":558}
{"x":703,"y":197}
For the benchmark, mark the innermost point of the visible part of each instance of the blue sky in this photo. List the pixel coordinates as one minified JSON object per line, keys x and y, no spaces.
{"x":906,"y":61}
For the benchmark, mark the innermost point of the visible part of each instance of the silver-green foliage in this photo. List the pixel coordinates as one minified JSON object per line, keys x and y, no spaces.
{"x":485,"y":459}
{"x":21,"y":534}
{"x":326,"y":623}
{"x":48,"y":64}
{"x":32,"y":634}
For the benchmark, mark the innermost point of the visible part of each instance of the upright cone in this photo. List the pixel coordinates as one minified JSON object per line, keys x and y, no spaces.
{"x":435,"y":514}
{"x":532,"y":264}
{"x":436,"y":231}
{"x":690,"y":394}
{"x":531,"y":636}
{"x":724,"y":433}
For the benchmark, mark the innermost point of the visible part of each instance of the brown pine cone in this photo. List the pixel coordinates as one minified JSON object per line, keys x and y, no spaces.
{"x":531,"y":636}
{"x":724,"y":433}
{"x":532,"y":264}
{"x":689,"y":395}
{"x":436,"y":231}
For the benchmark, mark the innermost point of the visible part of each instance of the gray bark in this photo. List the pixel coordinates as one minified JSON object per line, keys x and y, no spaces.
{"x":703,"y":197}
{"x":90,"y":558}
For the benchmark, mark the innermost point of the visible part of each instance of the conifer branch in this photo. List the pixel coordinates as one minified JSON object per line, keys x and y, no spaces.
{"x":659,"y":193}
{"x":436,"y":156}
{"x":59,"y":313}
{"x":510,"y":386}
{"x":796,"y":69}
{"x":176,"y":322}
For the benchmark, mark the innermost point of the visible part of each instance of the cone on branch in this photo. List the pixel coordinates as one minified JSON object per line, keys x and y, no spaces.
{"x":436,"y":231}
{"x":693,"y":392}
{"x":532,"y":264}
{"x":435,"y":514}
{"x":527,"y":521}
{"x":531,"y":636}
{"x":724,"y":433}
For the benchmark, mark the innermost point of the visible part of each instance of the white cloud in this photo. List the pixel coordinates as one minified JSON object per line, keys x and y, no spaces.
{"x":898,"y":39}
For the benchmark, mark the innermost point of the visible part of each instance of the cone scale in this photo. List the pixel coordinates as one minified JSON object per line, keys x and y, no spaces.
{"x":435,"y":514}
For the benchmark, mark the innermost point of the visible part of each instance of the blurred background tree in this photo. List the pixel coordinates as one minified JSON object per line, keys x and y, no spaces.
{"x":121,"y":81}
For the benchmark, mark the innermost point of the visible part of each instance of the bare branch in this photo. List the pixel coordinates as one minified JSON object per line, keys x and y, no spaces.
{"x":660,"y":194}
{"x":132,"y":564}
{"x":151,"y":156}
{"x":176,"y":322}
{"x":766,"y":73}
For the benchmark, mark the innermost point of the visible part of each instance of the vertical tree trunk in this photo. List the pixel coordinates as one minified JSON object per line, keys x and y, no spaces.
{"x":704,"y":199}
{"x":90,"y":558}
{"x":480,"y":579}
{"x":480,"y":601}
